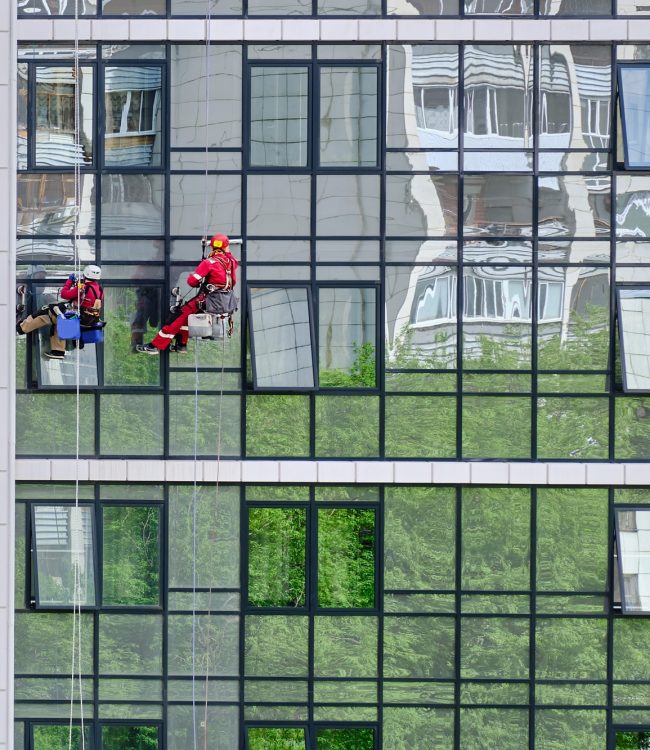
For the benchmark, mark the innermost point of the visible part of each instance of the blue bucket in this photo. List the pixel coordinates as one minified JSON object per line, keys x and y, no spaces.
{"x":92,"y":335}
{"x":68,"y":326}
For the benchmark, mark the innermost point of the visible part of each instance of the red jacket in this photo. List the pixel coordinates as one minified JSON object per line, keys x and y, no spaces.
{"x":219,"y":269}
{"x":91,"y":292}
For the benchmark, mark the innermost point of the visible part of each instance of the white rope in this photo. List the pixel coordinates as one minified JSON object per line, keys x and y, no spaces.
{"x":194,"y":544}
{"x":76,"y":557}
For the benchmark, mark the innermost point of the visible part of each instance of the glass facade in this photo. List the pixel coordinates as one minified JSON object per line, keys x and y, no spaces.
{"x":444,"y":258}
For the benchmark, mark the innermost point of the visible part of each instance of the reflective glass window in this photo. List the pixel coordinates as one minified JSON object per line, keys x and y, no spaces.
{"x":130,"y":737}
{"x":347,"y":337}
{"x":498,"y":204}
{"x":349,"y":7}
{"x":133,"y":7}
{"x":341,"y":739}
{"x":46,"y":204}
{"x":31,"y":8}
{"x":265,"y":738}
{"x":55,"y":141}
{"x":282,"y":337}
{"x":132,"y":110}
{"x":131,"y":555}
{"x":499,"y":7}
{"x":132,"y":204}
{"x":64,"y":552}
{"x":633,"y":314}
{"x":634,"y":98}
{"x":278,"y":205}
{"x":279,"y":99}
{"x":348,"y":116}
{"x":55,"y":736}
{"x":347,"y":204}
{"x":633,"y":551}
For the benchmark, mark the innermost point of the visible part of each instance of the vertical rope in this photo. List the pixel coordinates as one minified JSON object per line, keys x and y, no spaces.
{"x":75,"y":555}
{"x":194,"y":544}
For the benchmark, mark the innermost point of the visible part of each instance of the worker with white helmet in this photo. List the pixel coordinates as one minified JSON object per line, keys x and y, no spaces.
{"x":84,"y":294}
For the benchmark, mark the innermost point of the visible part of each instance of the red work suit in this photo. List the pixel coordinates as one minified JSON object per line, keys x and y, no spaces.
{"x":220,"y":270}
{"x":90,"y":293}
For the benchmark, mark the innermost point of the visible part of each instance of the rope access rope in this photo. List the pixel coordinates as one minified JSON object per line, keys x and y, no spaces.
{"x":80,"y":531}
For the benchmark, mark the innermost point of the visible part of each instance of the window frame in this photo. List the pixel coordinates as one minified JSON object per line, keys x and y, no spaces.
{"x":314,"y":67}
{"x":97,"y":517}
{"x":94,"y":728}
{"x":620,"y":67}
{"x":311,"y":729}
{"x":621,"y":337}
{"x":619,"y":599}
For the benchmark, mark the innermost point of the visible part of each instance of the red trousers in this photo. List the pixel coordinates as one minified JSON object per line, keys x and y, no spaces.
{"x":177,"y":324}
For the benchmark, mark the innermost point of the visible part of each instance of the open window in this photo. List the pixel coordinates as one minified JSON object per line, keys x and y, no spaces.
{"x":70,"y":566}
{"x":634,"y":100}
{"x":282,"y":338}
{"x":632,"y":573}
{"x":633,"y":311}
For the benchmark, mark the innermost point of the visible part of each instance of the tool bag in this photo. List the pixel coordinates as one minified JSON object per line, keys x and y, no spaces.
{"x":199,"y":325}
{"x":221,"y":302}
{"x":68,"y":326}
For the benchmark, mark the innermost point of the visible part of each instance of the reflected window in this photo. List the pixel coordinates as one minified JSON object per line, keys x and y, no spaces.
{"x":132,"y":103}
{"x":633,"y":563}
{"x":66,"y":560}
{"x":634,"y":98}
{"x":282,"y":338}
{"x":634,"y":335}
{"x":64,"y":555}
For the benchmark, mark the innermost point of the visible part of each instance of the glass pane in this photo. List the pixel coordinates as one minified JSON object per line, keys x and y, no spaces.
{"x":428,"y":73}
{"x":279,"y":8}
{"x":219,"y":434}
{"x":56,"y":7}
{"x":55,"y":140}
{"x":38,"y":412}
{"x":484,"y":418}
{"x":572,"y":540}
{"x":276,"y":645}
{"x":131,"y":554}
{"x":506,"y":728}
{"x":345,"y":739}
{"x":496,"y":539}
{"x":289,"y":416}
{"x":276,"y":738}
{"x":573,"y":314}
{"x":188,"y":203}
{"x":346,"y":557}
{"x":347,"y":338}
{"x":276,"y":557}
{"x":498,"y":204}
{"x":347,"y":205}
{"x":133,"y":8}
{"x":345,"y":646}
{"x":115,"y":737}
{"x":46,"y":204}
{"x":188,"y":88}
{"x":216,"y":641}
{"x":349,"y":7}
{"x":21,"y":115}
{"x":64,"y":546}
{"x":499,"y":7}
{"x":420,"y":427}
{"x":564,"y":728}
{"x":278,"y":128}
{"x":133,"y":316}
{"x":132,"y":204}
{"x":571,"y":648}
{"x":278,"y":205}
{"x":44,"y":643}
{"x":347,"y":426}
{"x":418,"y":728}
{"x":572,"y":428}
{"x":419,"y":647}
{"x":574,"y":205}
{"x":132,"y":110}
{"x":632,"y":740}
{"x":634,"y":89}
{"x":495,"y":647}
{"x":60,"y":737}
{"x":498,"y":89}
{"x":348,"y":116}
{"x":119,"y":413}
{"x":577,"y":8}
{"x":421,"y":205}
{"x":130,"y":645}
{"x":633,"y":545}
{"x":633,"y":310}
{"x":282,"y":338}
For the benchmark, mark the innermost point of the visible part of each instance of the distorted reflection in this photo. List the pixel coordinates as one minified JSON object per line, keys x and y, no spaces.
{"x":132,"y":204}
{"x":41,"y":250}
{"x":574,"y":205}
{"x":46,"y":204}
{"x":634,"y":90}
{"x":633,"y":548}
{"x":634,"y":335}
{"x":578,"y":251}
{"x":498,"y":96}
{"x":132,"y":99}
{"x":55,"y":142}
{"x":133,"y":7}
{"x":633,"y":206}
{"x":421,"y":205}
{"x":57,"y":7}
{"x":21,"y":115}
{"x":576,"y":7}
{"x":501,"y":7}
{"x":422,"y":7}
{"x":575,"y":96}
{"x":423,"y":96}
{"x":498,"y":204}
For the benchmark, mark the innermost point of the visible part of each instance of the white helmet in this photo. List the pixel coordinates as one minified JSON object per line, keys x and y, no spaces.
{"x":92,"y":272}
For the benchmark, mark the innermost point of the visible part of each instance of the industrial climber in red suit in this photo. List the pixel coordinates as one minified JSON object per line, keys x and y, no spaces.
{"x":216,"y":273}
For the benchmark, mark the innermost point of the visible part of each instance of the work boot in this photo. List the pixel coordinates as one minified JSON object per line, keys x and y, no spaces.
{"x":147,"y":349}
{"x":55,"y":354}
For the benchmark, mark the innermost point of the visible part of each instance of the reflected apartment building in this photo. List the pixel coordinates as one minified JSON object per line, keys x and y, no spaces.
{"x":406,"y":504}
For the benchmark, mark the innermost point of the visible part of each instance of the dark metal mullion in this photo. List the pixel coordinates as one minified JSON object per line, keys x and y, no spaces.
{"x":380,"y":337}
{"x":312,"y":146}
{"x":612,"y":260}
{"x":533,"y":618}
{"x":609,"y":700}
{"x":457,"y":619}
{"x":311,"y":582}
{"x":534,"y":318}
{"x":379,"y":606}
{"x":243,"y":603}
{"x":459,"y":250}
{"x":31,"y":115}
{"x":245,"y":334}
